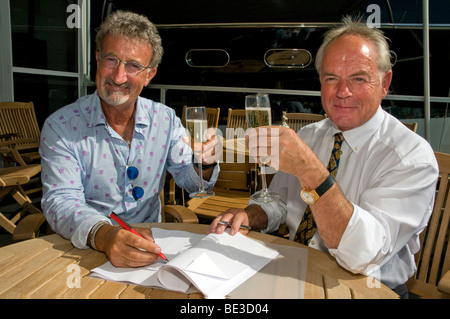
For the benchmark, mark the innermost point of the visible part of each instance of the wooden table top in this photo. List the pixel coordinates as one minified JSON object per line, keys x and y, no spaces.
{"x":45,"y":268}
{"x":213,"y":206}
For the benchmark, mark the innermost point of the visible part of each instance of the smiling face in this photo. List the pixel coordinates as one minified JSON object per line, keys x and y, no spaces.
{"x":352,"y":87}
{"x":115,"y":86}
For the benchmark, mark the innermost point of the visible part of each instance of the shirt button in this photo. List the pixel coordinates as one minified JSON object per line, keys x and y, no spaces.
{"x":313,"y":242}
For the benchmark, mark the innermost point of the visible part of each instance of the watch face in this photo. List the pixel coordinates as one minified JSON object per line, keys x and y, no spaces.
{"x":309,"y":196}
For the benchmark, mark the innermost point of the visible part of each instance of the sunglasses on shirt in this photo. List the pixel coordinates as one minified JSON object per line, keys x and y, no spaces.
{"x":132,"y":174}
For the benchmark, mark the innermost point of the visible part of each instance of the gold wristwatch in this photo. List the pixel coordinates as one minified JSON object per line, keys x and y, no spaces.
{"x":311,"y":196}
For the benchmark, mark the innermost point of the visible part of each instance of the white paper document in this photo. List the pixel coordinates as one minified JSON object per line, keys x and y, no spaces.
{"x":212,"y":264}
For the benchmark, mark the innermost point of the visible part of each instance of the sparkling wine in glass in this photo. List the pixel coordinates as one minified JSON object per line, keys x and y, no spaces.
{"x":197,"y":124}
{"x":258,"y":112}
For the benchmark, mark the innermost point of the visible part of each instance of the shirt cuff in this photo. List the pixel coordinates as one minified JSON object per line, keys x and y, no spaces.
{"x":274,"y":215}
{"x":81,"y":233}
{"x":206,"y":184}
{"x":361,"y":244}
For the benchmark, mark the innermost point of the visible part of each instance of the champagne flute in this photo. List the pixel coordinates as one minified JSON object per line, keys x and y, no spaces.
{"x":258,"y":112}
{"x":197,"y":124}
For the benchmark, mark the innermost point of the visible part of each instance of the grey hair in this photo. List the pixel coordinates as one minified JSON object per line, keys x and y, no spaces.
{"x":131,"y":26}
{"x":356,"y":27}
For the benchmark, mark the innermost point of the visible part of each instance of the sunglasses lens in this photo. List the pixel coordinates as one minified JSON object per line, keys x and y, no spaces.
{"x":138,"y":192}
{"x":132,"y":173}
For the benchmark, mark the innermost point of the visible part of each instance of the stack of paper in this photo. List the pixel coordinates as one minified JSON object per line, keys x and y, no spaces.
{"x":214,"y":264}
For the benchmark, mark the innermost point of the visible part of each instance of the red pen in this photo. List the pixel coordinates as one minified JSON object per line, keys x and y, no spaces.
{"x":126,"y":226}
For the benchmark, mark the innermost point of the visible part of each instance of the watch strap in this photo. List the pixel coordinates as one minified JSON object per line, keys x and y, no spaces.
{"x":325,"y":186}
{"x":204,"y":166}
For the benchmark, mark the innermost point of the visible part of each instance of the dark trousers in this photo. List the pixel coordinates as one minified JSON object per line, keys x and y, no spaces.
{"x":402,"y":291}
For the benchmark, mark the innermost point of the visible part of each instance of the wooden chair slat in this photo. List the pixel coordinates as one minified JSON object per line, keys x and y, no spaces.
{"x":433,"y":259}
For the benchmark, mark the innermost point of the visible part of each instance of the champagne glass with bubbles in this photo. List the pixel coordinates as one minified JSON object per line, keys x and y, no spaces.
{"x":197,"y":125}
{"x":258,"y":112}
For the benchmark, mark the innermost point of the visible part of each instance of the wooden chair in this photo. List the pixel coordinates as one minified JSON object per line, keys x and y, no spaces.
{"x":223,"y":199}
{"x":27,"y":222}
{"x":236,"y":179}
{"x":235,"y":184}
{"x":236,"y":124}
{"x":412,"y":126}
{"x":297,"y":120}
{"x":433,"y":259}
{"x":176,"y":213}
{"x":19,"y":127}
{"x":211,"y":113}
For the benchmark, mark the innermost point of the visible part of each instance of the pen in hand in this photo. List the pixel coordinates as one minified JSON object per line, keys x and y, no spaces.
{"x":221,"y":222}
{"x":126,"y":226}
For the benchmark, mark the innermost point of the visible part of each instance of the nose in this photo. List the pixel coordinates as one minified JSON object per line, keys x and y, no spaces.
{"x":119,"y":75}
{"x":343,"y":89}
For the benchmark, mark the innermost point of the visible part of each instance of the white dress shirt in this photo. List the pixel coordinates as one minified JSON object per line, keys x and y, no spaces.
{"x":389,"y":174}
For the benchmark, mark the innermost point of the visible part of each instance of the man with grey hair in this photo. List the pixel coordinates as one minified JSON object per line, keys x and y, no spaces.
{"x":359,"y":184}
{"x":109,"y":151}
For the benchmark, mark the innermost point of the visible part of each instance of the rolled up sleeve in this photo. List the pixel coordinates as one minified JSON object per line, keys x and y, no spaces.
{"x":389,"y":217}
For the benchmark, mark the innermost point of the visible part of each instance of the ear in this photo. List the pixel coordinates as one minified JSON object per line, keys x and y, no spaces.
{"x":150,"y":75}
{"x":386,"y":82}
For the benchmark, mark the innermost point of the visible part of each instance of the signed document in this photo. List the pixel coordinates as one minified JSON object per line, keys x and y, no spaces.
{"x":213,"y":264}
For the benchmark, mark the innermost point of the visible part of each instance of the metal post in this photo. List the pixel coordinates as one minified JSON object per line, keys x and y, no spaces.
{"x":162,"y":96}
{"x":80,"y":47}
{"x":426,"y":69}
{"x":6,"y":74}
{"x":84,"y":47}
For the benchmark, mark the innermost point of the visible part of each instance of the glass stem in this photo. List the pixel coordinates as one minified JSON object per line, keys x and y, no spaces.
{"x":263,"y":179}
{"x":200,"y":174}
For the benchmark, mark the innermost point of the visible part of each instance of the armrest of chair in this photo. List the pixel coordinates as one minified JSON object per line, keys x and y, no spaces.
{"x":10,"y":145}
{"x":181,"y":214}
{"x":29,"y":226}
{"x":7,"y":136}
{"x":13,"y":147}
{"x":15,"y":141}
{"x":444,"y":283}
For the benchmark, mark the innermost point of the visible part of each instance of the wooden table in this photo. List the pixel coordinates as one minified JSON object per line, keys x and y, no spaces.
{"x":211,"y":207}
{"x":45,"y":267}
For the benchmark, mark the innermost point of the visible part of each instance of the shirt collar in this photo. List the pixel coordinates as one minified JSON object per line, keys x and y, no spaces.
{"x":357,"y":137}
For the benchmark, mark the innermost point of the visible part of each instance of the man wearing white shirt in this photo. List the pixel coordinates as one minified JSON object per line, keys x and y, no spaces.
{"x":370,"y":216}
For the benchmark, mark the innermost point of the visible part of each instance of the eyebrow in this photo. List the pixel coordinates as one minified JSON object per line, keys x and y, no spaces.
{"x":358,"y":73}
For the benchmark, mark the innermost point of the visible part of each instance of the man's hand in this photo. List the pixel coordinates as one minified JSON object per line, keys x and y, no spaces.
{"x":211,"y":150}
{"x":253,"y":215}
{"x":235,"y":216}
{"x":285,"y":151}
{"x":125,"y":249}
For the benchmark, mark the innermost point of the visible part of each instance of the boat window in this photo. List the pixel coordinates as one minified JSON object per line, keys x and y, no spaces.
{"x":288,"y":58}
{"x":207,"y":58}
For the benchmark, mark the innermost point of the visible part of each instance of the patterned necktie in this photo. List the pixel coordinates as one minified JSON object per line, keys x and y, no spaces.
{"x":307,"y":226}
